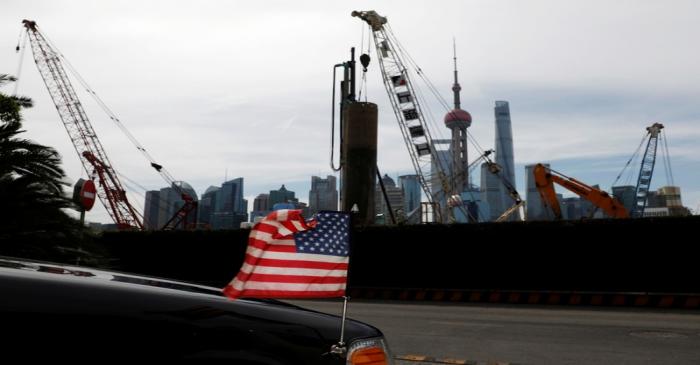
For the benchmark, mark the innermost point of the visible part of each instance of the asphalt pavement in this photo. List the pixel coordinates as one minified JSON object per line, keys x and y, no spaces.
{"x":480,"y":334}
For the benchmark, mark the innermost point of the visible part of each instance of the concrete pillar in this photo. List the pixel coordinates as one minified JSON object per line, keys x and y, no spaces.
{"x":359,"y":160}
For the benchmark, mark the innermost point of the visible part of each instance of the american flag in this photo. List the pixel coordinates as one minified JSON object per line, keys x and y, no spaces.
{"x":288,"y":257}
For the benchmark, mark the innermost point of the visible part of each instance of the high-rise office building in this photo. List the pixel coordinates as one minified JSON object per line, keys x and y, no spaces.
{"x":262,"y":202}
{"x":394,"y":195}
{"x":231,"y":197}
{"x":231,"y":209}
{"x":261,"y":207}
{"x":160,"y":206}
{"x":441,"y":163}
{"x":150,"y":210}
{"x":475,"y":207}
{"x":492,"y":193}
{"x":504,"y":156}
{"x":410,"y":185}
{"x":625,"y":194}
{"x":323,"y":194}
{"x":282,"y":195}
{"x":207,"y":206}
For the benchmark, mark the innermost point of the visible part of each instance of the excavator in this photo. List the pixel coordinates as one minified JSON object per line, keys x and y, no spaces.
{"x":545,"y":179}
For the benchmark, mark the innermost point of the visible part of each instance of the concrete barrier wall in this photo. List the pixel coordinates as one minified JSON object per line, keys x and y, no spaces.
{"x":640,"y":256}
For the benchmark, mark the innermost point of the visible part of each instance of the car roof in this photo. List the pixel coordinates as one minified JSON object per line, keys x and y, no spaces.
{"x":99,"y":274}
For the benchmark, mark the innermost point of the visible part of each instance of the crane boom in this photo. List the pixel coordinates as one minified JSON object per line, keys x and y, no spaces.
{"x":646,"y":170}
{"x":545,"y":179}
{"x":87,"y":145}
{"x":407,"y":110}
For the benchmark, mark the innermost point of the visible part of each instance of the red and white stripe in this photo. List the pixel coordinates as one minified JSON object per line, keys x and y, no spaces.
{"x":273,"y":269}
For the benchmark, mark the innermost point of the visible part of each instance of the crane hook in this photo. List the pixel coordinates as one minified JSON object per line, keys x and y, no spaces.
{"x":364,"y":60}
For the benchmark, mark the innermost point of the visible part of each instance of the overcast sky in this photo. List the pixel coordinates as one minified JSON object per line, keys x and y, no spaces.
{"x":243,"y":89}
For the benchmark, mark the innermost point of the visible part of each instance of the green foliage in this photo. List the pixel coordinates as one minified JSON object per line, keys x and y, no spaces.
{"x":33,"y":222}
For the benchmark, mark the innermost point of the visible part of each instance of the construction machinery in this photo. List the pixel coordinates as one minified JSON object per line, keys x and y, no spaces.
{"x":496,"y":170}
{"x":409,"y":115}
{"x":646,"y":170}
{"x":86,"y":143}
{"x":545,"y":178}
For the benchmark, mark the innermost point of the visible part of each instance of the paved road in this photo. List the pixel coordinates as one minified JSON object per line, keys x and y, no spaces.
{"x":530,"y":335}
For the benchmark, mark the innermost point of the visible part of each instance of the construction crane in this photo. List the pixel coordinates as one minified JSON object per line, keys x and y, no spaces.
{"x":646,"y":170}
{"x":496,"y":169}
{"x":545,"y":179}
{"x":90,"y":151}
{"x":409,"y":115}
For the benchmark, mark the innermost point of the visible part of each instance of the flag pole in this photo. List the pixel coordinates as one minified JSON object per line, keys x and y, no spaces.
{"x":342,"y":323}
{"x":340,"y":348}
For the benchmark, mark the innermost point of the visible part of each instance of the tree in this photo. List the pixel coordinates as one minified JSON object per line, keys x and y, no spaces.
{"x":32,"y":200}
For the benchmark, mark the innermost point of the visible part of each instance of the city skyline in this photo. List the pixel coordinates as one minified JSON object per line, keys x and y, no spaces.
{"x":581,"y":91}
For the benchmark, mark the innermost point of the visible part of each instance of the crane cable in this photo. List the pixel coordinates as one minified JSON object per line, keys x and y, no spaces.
{"x":436,"y":94}
{"x":164,"y":173}
{"x":137,"y":189}
{"x":431,"y":87}
{"x":23,"y":40}
{"x":667,"y":159}
{"x":429,"y":118}
{"x":633,"y":157}
{"x":363,"y":81}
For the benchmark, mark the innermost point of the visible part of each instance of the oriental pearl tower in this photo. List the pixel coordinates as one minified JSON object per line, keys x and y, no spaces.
{"x":458,"y":120}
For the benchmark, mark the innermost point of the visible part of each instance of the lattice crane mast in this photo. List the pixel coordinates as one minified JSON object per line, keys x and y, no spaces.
{"x":87,"y":145}
{"x":496,"y":170}
{"x":646,"y":170}
{"x":407,"y":109}
{"x":89,"y":148}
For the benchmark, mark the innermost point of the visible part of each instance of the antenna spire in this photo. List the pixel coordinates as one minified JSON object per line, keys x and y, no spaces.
{"x":456,"y":88}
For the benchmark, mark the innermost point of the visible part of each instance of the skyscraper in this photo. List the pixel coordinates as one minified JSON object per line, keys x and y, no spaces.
{"x":261,"y":206}
{"x":207,"y":206}
{"x":231,"y":197}
{"x":161,"y":206}
{"x":440,"y":164}
{"x":150,"y":210}
{"x":282,"y":196}
{"x":626,"y":195}
{"x":394,"y":195}
{"x":504,"y":157}
{"x":231,"y":208}
{"x":491,"y":190}
{"x":323,"y":194}
{"x":410,"y":185}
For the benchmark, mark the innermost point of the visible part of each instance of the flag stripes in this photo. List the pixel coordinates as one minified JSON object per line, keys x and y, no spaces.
{"x":288,"y":257}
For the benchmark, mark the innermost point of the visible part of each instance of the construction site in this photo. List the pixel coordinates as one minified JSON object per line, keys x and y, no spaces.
{"x":452,"y":208}
{"x":443,"y":182}
{"x":508,"y":200}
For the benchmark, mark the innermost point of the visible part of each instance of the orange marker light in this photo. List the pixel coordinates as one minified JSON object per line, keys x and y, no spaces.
{"x":369,"y":356}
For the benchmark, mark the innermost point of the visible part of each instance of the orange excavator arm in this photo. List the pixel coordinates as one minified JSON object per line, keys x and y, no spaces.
{"x":545,"y":179}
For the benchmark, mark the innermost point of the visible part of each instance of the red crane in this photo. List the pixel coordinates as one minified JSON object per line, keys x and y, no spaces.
{"x":88,"y":146}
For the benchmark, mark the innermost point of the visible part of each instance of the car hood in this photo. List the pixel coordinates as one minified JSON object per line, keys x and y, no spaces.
{"x":102,"y":290}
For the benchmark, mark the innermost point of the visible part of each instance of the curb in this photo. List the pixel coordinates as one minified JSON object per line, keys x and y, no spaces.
{"x":564,"y":298}
{"x":433,"y":360}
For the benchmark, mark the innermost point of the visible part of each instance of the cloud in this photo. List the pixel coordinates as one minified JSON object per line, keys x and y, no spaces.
{"x":246,"y":87}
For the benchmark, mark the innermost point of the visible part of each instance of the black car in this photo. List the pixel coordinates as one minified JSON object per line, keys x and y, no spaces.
{"x":61,"y":313}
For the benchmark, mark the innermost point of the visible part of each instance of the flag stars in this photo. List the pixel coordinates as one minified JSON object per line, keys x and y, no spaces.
{"x":329,"y":237}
